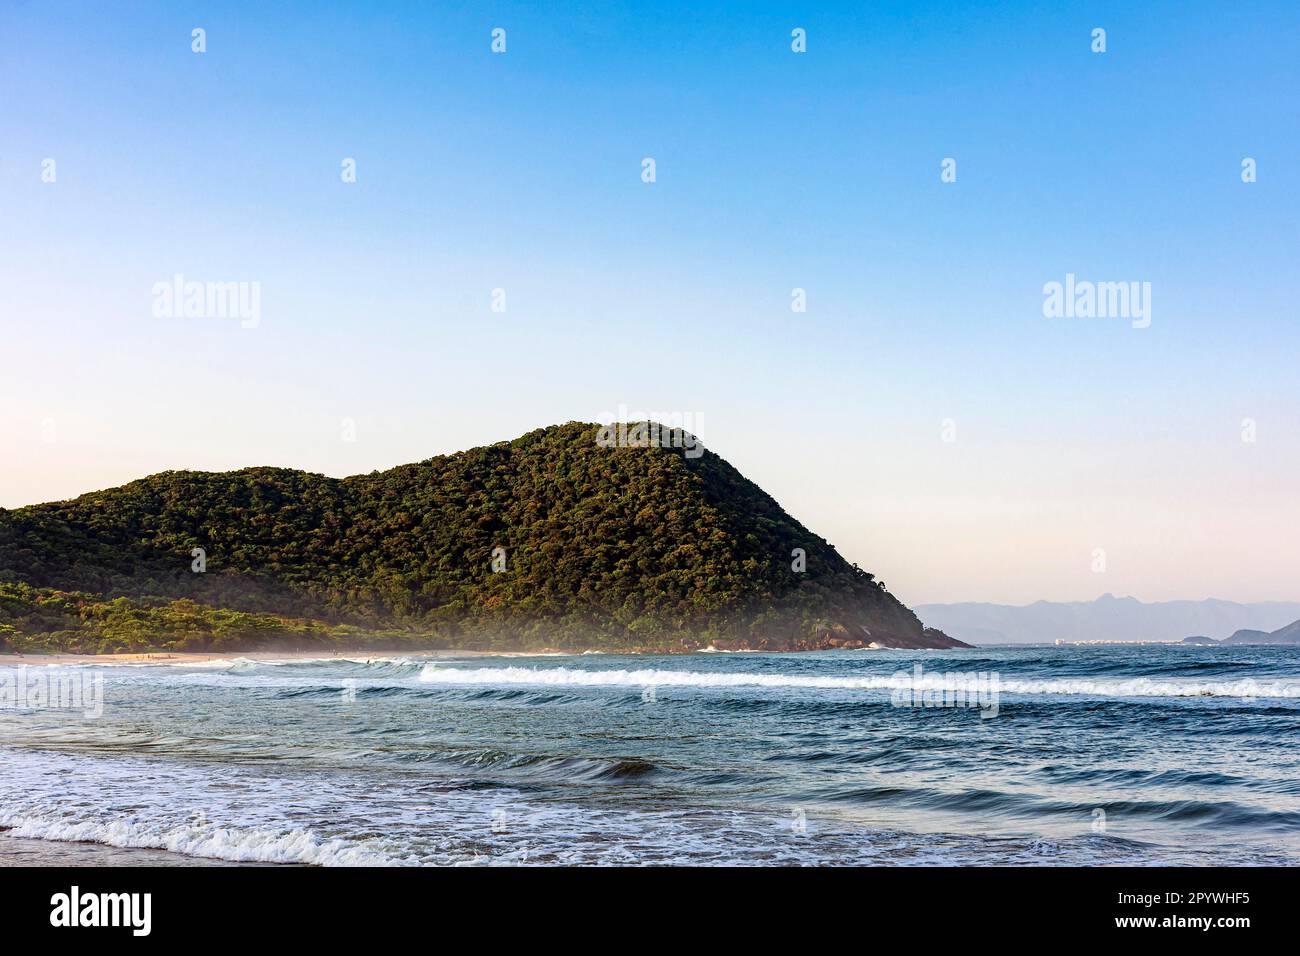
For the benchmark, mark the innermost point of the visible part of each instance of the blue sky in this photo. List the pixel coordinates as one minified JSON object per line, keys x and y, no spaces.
{"x":775,"y":170}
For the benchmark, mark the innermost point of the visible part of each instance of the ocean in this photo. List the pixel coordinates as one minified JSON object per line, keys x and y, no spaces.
{"x":1084,"y":755}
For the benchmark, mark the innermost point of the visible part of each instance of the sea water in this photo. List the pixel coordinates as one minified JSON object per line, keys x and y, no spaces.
{"x":1092,"y":755}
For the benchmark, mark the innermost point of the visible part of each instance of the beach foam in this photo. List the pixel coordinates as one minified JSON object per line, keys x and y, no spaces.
{"x":242,"y":845}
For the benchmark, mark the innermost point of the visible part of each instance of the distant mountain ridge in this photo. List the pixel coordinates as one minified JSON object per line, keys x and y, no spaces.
{"x":1290,"y":634}
{"x":1108,"y":618}
{"x":549,"y":540}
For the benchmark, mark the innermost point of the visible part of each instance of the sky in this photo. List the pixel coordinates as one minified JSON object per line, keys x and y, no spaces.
{"x":923,"y":413}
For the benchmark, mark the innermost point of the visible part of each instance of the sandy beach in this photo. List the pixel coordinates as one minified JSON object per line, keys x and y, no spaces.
{"x":169,"y":657}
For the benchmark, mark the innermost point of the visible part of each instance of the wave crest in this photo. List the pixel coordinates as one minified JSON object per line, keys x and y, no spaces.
{"x":649,"y":677}
{"x":240,"y":845}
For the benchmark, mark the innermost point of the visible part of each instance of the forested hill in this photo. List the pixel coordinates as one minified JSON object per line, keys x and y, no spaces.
{"x":614,"y":547}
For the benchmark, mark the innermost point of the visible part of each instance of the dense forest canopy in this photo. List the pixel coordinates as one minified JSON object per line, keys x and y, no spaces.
{"x":615,"y":547}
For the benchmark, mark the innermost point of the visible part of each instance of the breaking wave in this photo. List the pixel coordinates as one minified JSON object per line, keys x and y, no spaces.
{"x":241,"y":845}
{"x":1104,"y":687}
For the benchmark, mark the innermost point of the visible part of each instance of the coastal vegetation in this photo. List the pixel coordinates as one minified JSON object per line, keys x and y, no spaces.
{"x":547,"y":540}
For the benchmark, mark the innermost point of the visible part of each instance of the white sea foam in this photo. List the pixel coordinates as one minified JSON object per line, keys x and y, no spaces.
{"x":215,"y":664}
{"x":1101,"y":687}
{"x":238,"y":844}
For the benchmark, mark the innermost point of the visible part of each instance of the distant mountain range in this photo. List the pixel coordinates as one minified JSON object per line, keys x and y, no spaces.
{"x":1108,"y":618}
{"x":1283,"y":635}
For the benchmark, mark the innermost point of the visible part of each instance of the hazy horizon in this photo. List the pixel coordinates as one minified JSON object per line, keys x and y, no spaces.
{"x":924,"y":413}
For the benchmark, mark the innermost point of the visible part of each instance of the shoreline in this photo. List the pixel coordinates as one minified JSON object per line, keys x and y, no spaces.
{"x":203,"y":657}
{"x":16,"y":658}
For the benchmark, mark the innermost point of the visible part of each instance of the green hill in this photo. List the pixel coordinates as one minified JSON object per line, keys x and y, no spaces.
{"x":645,"y":548}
